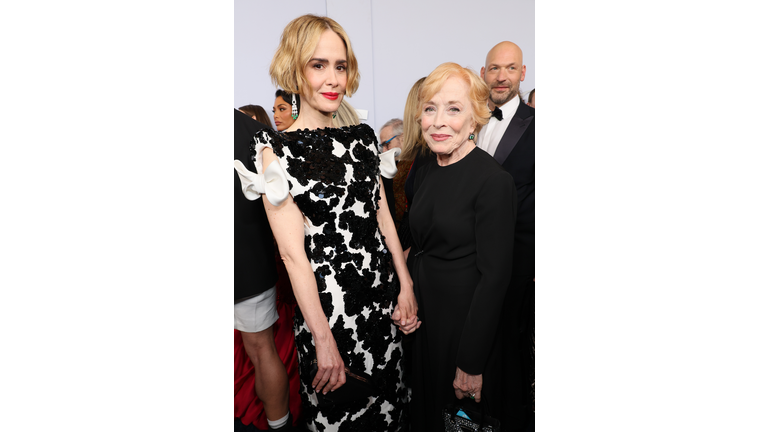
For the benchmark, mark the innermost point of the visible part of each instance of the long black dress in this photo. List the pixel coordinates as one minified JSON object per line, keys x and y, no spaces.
{"x":462,"y":223}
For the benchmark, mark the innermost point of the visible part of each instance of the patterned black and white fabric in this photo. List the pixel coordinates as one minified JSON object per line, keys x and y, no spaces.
{"x":333,"y":176}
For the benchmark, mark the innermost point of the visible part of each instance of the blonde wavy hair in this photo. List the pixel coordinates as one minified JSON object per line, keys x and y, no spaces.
{"x":345,"y":115}
{"x":478,"y":93}
{"x":297,"y":44}
{"x":412,"y":137}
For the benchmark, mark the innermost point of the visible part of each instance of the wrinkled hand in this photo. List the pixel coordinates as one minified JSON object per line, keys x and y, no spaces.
{"x":330,"y":367}
{"x":465,"y":385}
{"x":407,"y":326}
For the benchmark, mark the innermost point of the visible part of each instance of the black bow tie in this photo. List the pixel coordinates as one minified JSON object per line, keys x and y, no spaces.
{"x":497,"y":113}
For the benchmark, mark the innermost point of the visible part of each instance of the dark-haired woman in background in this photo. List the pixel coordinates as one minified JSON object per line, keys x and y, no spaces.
{"x":257,"y":113}
{"x":283,"y":110}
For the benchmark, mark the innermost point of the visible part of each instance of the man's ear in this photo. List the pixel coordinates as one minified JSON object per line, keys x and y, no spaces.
{"x":482,"y":72}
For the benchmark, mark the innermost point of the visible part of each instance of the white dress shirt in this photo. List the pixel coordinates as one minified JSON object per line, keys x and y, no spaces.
{"x":490,"y":135}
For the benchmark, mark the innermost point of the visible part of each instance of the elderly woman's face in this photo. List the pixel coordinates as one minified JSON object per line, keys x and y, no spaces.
{"x":327,"y":74}
{"x":446,"y":119}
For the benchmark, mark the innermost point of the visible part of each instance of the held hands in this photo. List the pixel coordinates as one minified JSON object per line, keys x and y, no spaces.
{"x":330,"y":367}
{"x":465,"y":385}
{"x":406,"y":326}
{"x":404,"y":314}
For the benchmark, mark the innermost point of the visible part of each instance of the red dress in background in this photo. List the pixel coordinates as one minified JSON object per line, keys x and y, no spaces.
{"x":248,"y":408}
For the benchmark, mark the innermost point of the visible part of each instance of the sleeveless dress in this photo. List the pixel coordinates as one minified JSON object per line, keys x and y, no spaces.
{"x":333,"y":176}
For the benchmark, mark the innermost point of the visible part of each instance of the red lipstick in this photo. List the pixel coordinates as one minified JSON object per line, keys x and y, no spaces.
{"x":331,"y":96}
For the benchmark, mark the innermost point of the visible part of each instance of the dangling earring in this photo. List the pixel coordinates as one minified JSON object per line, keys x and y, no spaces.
{"x":334,"y":115}
{"x":294,"y":110}
{"x":471,"y":137}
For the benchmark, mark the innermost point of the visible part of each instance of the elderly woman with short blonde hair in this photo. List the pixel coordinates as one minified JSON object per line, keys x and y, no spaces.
{"x":462,"y":224}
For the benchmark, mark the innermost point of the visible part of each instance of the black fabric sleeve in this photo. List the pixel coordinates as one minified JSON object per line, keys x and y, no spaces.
{"x":495,"y":213}
{"x":404,"y":231}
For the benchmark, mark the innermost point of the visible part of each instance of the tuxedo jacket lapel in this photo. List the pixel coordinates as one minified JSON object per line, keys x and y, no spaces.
{"x":517,"y":126}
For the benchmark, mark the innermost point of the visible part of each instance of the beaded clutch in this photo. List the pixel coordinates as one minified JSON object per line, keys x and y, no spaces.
{"x":461,"y":417}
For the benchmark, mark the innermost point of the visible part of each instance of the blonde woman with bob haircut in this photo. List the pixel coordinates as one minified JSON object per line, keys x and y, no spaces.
{"x":462,"y":225}
{"x":297,"y":46}
{"x":337,"y":239}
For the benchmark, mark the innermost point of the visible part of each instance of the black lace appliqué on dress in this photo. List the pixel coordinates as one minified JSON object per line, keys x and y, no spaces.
{"x":334,"y":179}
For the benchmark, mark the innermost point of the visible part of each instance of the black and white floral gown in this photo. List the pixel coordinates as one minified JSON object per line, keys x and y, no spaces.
{"x":334,"y":179}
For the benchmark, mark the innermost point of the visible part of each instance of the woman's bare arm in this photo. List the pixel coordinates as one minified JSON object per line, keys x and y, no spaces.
{"x":287,"y":224}
{"x":405,"y":315}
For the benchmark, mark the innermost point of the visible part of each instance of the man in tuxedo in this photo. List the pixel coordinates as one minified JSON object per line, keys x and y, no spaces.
{"x":255,"y":292}
{"x":509,"y":137}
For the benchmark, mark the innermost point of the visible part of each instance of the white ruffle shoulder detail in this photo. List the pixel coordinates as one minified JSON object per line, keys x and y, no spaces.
{"x":273,"y":183}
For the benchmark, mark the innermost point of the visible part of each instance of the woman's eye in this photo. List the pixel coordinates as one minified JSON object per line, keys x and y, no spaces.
{"x":341,"y":68}
{"x":429,"y":109}
{"x":454,"y":109}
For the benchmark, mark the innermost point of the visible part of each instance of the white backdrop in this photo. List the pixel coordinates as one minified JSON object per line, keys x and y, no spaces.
{"x":696,"y":268}
{"x":396,"y":43}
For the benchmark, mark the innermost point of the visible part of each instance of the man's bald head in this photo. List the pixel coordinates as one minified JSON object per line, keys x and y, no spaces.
{"x":503,"y":72}
{"x":504,"y":48}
